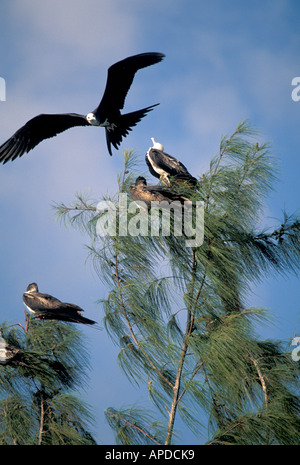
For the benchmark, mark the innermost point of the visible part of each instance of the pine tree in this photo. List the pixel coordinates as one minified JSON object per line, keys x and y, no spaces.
{"x":179,"y":313}
{"x":41,"y":365}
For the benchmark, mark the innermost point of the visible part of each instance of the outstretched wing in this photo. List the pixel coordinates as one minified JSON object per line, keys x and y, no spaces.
{"x":120,"y":77}
{"x":36,"y":130}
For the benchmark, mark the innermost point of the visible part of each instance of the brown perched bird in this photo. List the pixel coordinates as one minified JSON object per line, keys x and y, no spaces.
{"x":148,"y":194}
{"x":46,"y":307}
{"x":119,"y":79}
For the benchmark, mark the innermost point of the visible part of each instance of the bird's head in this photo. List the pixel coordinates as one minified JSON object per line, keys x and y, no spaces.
{"x":33,"y":287}
{"x":140,"y":181}
{"x":157,"y":145}
{"x":91,"y":118}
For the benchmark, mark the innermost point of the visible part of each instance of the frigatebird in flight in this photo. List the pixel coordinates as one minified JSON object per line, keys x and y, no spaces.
{"x":46,"y":307}
{"x":119,"y":79}
{"x":164,"y":166}
{"x":148,"y":194}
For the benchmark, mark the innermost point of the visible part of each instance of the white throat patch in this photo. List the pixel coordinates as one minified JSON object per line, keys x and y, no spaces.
{"x":91,"y":118}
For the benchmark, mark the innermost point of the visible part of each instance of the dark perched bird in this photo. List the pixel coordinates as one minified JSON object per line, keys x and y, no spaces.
{"x":148,"y":194}
{"x":107,"y":114}
{"x":46,"y":307}
{"x":163,"y":166}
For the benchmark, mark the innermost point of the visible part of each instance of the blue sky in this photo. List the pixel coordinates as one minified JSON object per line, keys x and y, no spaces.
{"x":226,"y":61}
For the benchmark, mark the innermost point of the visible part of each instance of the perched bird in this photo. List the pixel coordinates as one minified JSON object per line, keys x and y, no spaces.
{"x":148,"y":194}
{"x":46,"y":307}
{"x":8,"y":353}
{"x":119,"y":79}
{"x":163,"y":166}
{"x":16,"y":357}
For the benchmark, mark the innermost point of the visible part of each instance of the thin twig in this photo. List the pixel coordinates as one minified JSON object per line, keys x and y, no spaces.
{"x":133,"y":425}
{"x":41,"y":420}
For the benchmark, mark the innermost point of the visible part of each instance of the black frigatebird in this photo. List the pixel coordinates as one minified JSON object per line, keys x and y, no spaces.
{"x":164,"y":166}
{"x":46,"y":307}
{"x":119,"y":79}
{"x":148,"y":194}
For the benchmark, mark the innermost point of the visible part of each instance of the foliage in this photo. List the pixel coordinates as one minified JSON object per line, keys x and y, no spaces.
{"x":37,"y":405}
{"x":179,"y":314}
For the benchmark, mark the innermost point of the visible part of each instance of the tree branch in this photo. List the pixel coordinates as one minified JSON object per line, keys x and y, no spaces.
{"x":133,"y":425}
{"x":189,"y":326}
{"x":131,"y":329}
